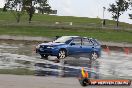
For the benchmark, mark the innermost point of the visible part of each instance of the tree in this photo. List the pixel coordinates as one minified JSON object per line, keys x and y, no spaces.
{"x":29,"y":6}
{"x":15,"y":6}
{"x":18,"y":7}
{"x":117,"y":9}
{"x":4,"y":8}
{"x":130,"y":3}
{"x":44,"y":7}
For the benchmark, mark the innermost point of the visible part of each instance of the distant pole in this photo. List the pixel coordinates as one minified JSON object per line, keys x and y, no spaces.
{"x":103,"y":21}
{"x":104,"y":12}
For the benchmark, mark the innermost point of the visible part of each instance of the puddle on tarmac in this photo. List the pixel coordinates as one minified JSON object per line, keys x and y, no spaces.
{"x":21,"y":55}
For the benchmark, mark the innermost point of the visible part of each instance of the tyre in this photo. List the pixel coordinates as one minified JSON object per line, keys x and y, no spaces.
{"x":44,"y":56}
{"x":62,"y":54}
{"x":93,"y":56}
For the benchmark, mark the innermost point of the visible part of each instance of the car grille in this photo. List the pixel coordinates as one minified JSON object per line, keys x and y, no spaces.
{"x":46,"y":51}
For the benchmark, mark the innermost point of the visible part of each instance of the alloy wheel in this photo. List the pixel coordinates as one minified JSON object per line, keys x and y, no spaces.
{"x":62,"y":54}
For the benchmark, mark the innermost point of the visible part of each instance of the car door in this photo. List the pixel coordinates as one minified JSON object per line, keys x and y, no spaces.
{"x":75,"y":46}
{"x":87,"y":45}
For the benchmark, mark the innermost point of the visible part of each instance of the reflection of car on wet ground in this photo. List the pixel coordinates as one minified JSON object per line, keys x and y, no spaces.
{"x":70,"y":45}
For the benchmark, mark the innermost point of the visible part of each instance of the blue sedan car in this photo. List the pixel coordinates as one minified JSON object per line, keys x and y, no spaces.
{"x":70,"y":45}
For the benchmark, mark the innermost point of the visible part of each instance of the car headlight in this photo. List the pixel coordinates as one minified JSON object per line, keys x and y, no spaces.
{"x":38,"y":46}
{"x":50,"y":47}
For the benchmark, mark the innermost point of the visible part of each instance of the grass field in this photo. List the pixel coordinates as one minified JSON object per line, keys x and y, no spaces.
{"x":8,"y":17}
{"x":44,"y":25}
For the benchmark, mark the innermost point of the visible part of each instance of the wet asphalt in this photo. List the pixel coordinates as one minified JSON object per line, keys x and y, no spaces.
{"x":113,"y":65}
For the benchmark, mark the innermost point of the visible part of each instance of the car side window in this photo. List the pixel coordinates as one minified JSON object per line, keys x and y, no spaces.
{"x":87,"y":42}
{"x":77,"y":41}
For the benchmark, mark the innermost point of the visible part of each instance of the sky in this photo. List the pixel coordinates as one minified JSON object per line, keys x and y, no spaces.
{"x":83,"y":8}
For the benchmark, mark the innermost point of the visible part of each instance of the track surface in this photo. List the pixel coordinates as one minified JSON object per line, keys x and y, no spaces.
{"x":16,"y":55}
{"x":14,"y":81}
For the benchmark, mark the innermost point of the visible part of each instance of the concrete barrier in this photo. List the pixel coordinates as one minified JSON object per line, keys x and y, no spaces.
{"x":27,"y":38}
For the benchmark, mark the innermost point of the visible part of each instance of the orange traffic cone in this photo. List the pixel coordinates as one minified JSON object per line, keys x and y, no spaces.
{"x":126,"y":50}
{"x":107,"y":50}
{"x":84,"y":73}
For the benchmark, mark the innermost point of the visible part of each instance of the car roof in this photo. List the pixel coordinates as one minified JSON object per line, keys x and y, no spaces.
{"x":76,"y":37}
{"x":71,"y":36}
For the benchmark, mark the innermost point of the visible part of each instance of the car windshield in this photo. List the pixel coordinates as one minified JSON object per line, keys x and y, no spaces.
{"x":63,"y":39}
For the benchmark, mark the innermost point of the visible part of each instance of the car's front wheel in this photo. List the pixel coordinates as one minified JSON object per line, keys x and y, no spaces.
{"x":62,"y":54}
{"x":94,"y":56}
{"x":43,"y":56}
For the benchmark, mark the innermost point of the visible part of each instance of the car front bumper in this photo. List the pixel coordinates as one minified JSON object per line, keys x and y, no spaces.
{"x":52,"y":52}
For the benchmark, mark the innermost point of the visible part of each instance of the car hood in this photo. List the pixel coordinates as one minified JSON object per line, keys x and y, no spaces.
{"x":51,"y":44}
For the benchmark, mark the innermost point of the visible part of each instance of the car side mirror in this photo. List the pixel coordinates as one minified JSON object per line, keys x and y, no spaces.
{"x":72,"y":44}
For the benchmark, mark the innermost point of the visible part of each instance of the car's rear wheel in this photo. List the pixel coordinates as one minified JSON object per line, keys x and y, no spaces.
{"x":44,"y":56}
{"x":62,"y":54}
{"x":94,"y":56}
